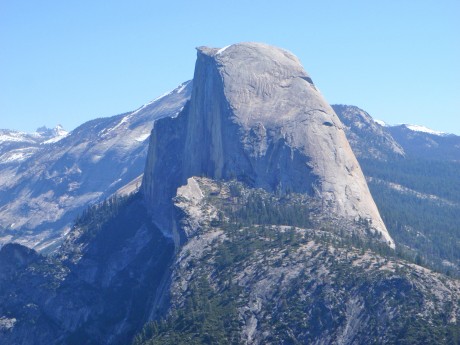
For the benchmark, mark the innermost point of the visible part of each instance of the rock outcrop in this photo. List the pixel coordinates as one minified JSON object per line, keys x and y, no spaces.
{"x":255,"y":115}
{"x":367,"y":138}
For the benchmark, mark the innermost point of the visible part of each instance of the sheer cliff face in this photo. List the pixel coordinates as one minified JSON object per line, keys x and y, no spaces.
{"x":255,"y":115}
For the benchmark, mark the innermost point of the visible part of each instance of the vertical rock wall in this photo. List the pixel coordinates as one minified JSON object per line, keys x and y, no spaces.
{"x":256,"y":115}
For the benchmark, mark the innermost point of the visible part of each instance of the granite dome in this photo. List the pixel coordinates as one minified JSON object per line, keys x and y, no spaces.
{"x":255,"y":115}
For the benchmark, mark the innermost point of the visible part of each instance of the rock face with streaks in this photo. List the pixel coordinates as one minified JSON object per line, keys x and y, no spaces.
{"x":256,"y":116}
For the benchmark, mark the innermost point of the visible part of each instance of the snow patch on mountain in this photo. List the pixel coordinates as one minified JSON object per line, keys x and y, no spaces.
{"x":178,"y":89}
{"x":56,"y":138}
{"x":49,"y":134}
{"x":17,"y":155}
{"x":60,"y":131}
{"x":124,"y":120}
{"x":177,"y":113}
{"x":418,"y":128}
{"x":221,"y":50}
{"x":42,"y":135}
{"x":142,"y":137}
{"x":12,"y":136}
{"x":381,"y":123}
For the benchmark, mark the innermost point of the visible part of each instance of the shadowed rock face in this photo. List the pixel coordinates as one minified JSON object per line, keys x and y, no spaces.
{"x":256,"y":115}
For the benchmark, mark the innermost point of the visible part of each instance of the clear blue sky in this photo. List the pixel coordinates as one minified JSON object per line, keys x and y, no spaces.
{"x":71,"y":61}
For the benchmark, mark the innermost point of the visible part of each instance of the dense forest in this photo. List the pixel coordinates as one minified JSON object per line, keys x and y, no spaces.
{"x":426,"y":218}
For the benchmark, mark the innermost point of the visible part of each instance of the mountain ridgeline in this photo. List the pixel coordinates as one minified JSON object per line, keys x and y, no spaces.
{"x":254,"y":224}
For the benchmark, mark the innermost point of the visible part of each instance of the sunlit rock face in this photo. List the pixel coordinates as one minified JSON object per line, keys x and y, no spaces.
{"x":255,"y":115}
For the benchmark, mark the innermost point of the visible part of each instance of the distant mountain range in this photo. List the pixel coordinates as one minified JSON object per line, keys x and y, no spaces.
{"x":19,"y":146}
{"x":49,"y":177}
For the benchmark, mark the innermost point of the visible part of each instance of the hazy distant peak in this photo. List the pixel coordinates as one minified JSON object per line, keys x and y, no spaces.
{"x":423,"y":129}
{"x":51,"y":135}
{"x":46,"y":132}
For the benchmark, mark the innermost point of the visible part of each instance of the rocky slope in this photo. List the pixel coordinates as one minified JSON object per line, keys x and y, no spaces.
{"x":256,"y":268}
{"x":243,"y":279}
{"x":255,"y":115}
{"x":367,"y":138}
{"x":45,"y":182}
{"x":418,"y":193}
{"x":101,"y":287}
